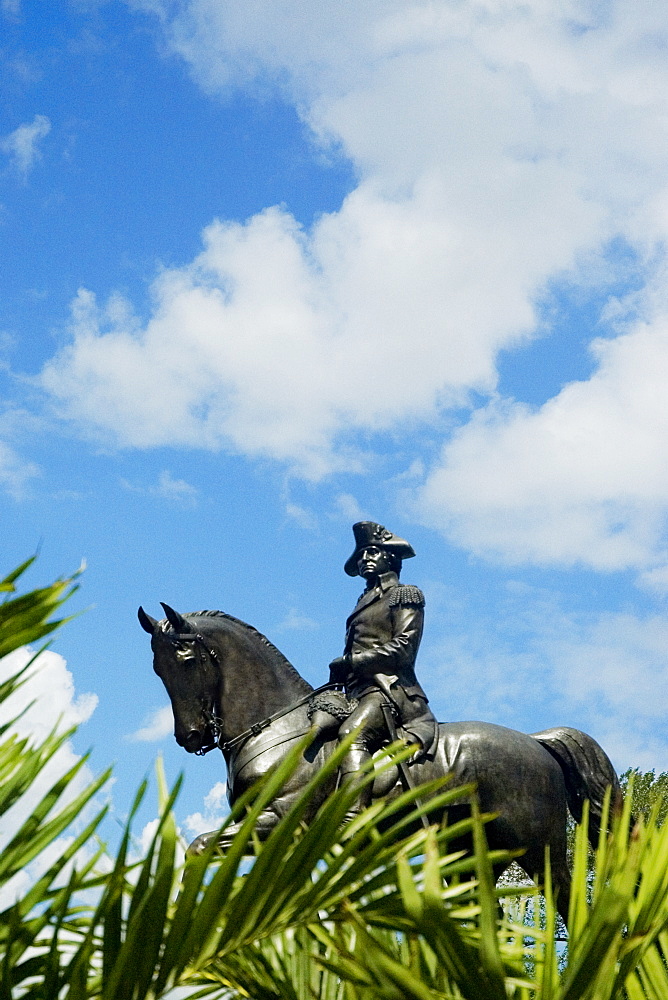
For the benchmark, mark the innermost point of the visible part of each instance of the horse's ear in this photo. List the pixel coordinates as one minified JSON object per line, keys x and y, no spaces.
{"x":147,"y":623}
{"x":176,"y":620}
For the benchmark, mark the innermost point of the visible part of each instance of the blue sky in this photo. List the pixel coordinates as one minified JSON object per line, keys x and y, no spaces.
{"x":270,"y":268}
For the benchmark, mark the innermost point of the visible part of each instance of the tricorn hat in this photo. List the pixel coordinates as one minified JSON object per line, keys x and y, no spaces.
{"x":368,"y":533}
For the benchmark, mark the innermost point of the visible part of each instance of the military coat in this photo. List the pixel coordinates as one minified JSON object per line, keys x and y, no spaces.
{"x":382,"y":639}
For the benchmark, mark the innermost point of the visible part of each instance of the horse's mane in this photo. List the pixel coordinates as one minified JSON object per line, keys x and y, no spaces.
{"x":278,"y":659}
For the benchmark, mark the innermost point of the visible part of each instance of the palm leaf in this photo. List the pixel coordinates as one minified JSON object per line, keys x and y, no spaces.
{"x":376,"y":909}
{"x":31,"y":928}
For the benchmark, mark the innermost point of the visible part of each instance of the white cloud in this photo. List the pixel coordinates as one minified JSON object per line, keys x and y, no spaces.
{"x":348,"y":508}
{"x":22,"y":145}
{"x":146,"y":837}
{"x":273,"y":345}
{"x":655,"y":579}
{"x":581,"y":479}
{"x":159,"y":724}
{"x":15,"y":472}
{"x":51,"y":688}
{"x":11,"y":9}
{"x":303,"y":516}
{"x":47,"y":699}
{"x":17,"y":886}
{"x":142,"y":843}
{"x":294,"y":621}
{"x":177,"y":491}
{"x":215,"y":811}
{"x":499,"y":147}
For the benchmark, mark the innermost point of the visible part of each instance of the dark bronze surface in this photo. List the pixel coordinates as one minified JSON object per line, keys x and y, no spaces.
{"x":226,"y":681}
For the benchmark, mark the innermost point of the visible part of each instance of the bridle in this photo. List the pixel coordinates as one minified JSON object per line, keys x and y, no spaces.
{"x":215,"y":725}
{"x":214,"y":722}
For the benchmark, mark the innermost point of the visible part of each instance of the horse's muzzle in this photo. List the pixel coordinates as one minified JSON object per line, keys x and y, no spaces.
{"x":192,"y":742}
{"x":197,"y":743}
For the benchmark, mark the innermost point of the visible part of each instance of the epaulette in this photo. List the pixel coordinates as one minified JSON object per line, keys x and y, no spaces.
{"x":406,"y":593}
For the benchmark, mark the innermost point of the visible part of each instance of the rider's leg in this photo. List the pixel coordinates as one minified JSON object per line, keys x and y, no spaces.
{"x":351,"y":771}
{"x":369,"y":721}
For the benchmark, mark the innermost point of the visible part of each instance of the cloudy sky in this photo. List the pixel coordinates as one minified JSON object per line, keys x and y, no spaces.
{"x":272,"y":267}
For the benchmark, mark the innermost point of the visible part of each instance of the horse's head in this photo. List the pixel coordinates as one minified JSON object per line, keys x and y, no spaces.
{"x":185,"y":664}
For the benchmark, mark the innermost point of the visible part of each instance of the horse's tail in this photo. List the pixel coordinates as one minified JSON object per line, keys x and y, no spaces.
{"x":588,"y":773}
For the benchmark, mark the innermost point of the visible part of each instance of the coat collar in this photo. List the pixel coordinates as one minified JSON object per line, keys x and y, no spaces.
{"x":385,"y":582}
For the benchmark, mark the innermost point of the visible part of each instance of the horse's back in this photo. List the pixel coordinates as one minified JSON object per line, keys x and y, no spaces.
{"x":484,"y":752}
{"x":514,"y":776}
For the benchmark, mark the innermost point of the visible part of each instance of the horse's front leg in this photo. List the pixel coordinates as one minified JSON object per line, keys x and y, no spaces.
{"x":265,"y":824}
{"x":201,"y":843}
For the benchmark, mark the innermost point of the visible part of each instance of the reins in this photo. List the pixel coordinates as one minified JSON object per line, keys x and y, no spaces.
{"x":258,"y":727}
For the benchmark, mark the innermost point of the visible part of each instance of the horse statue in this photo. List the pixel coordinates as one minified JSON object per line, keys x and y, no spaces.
{"x":231,"y":688}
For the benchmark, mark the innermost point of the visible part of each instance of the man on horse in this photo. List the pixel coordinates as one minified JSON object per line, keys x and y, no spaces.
{"x":378,"y":664}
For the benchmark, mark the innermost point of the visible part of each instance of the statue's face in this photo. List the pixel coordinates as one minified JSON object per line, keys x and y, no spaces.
{"x":373,"y":562}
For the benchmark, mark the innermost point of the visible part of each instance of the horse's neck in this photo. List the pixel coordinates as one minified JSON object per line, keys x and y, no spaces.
{"x":256,"y":681}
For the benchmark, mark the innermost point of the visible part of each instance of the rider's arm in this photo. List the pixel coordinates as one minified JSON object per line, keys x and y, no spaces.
{"x":338,"y":669}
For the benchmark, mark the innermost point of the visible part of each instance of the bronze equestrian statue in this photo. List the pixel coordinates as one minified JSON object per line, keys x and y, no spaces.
{"x":231,"y":689}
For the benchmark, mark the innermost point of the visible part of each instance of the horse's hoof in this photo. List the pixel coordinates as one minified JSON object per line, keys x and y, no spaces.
{"x":198,"y":846}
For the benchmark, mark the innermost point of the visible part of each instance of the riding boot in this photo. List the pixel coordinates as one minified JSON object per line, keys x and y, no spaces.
{"x":351,"y":771}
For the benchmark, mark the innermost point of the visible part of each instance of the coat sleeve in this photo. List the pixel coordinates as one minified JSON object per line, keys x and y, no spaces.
{"x":399,"y":653}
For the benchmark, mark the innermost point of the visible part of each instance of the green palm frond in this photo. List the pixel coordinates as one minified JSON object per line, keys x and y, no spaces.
{"x":27,"y":618}
{"x":375,"y":909}
{"x":30,"y":924}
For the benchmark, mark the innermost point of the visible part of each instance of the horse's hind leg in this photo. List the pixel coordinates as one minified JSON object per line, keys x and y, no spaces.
{"x":533,"y":863}
{"x":561,"y":886}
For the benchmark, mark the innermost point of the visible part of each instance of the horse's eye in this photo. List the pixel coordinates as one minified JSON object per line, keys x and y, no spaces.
{"x":185,"y":657}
